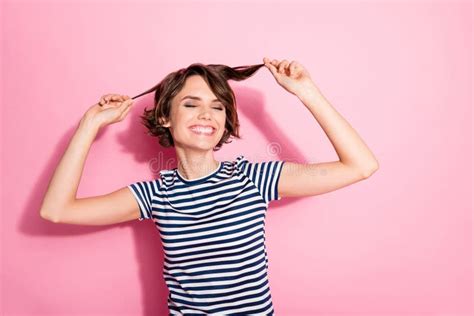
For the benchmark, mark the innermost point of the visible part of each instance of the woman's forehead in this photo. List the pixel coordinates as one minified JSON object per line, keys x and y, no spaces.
{"x":196,"y":87}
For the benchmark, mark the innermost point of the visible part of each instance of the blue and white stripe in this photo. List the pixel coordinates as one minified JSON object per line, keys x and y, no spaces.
{"x":213,"y":235}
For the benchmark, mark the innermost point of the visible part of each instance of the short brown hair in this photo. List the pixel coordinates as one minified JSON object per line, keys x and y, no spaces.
{"x":216,"y":76}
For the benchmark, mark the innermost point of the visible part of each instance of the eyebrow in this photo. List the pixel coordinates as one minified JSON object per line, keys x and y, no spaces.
{"x":197,"y":98}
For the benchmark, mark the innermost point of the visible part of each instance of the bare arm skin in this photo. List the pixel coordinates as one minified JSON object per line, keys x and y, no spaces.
{"x":60,"y":204}
{"x":356,"y":161}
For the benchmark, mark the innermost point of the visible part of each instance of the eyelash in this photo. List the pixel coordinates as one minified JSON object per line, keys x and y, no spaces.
{"x":192,"y":106}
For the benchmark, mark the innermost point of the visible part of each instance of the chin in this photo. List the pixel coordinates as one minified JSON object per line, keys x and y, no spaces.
{"x":198,"y":146}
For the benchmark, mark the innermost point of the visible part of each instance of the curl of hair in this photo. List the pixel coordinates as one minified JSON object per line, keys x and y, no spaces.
{"x":216,"y":76}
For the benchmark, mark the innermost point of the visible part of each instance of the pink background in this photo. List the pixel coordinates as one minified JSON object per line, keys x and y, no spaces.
{"x":398,"y":243}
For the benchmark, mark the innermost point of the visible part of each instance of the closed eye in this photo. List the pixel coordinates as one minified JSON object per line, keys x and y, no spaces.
{"x":193,"y":106}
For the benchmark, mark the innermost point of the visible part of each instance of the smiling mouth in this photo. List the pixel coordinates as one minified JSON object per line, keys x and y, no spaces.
{"x":206,"y":131}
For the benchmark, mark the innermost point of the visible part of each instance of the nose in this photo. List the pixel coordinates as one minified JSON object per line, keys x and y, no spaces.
{"x":205,"y":113}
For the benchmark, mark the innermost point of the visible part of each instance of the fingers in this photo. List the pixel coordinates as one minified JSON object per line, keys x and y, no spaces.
{"x":292,"y":67}
{"x":125,"y":107}
{"x":281,"y":67}
{"x":112,"y":97}
{"x":271,"y":66}
{"x":124,"y":113}
{"x":105,"y":99}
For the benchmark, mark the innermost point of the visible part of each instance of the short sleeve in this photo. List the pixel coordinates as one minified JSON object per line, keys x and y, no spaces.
{"x":265,"y":175}
{"x":144,"y":191}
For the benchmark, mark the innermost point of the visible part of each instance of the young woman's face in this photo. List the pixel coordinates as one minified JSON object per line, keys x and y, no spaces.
{"x":197,"y":119}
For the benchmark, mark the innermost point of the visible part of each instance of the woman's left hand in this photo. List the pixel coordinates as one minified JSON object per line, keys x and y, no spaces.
{"x":293,"y":77}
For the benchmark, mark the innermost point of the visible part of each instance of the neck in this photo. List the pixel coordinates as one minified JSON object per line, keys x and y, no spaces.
{"x":194,"y":165}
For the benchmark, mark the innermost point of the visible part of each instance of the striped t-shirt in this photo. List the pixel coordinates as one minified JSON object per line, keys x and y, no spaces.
{"x":213,"y":234}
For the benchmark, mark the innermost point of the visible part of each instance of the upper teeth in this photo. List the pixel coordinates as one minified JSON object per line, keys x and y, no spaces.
{"x":202,"y":129}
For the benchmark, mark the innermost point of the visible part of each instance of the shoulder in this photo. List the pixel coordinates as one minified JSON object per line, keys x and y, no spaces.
{"x":250,"y":166}
{"x":240,"y":161}
{"x":167,"y":177}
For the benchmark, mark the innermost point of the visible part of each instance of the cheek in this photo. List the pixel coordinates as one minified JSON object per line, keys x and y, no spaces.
{"x":223,"y":119}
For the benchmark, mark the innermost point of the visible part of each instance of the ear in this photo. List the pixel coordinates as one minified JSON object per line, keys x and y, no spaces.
{"x":166,"y":124}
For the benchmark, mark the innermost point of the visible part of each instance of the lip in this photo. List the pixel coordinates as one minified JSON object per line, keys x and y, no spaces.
{"x":199,"y":125}
{"x":205,"y":134}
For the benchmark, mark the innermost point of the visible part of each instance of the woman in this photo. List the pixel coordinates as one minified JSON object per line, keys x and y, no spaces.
{"x":210,"y":214}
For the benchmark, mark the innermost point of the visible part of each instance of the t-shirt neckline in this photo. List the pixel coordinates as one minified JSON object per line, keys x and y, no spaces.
{"x":200,"y":179}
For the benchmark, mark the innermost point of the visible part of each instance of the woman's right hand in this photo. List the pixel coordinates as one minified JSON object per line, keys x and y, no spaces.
{"x":111,"y":108}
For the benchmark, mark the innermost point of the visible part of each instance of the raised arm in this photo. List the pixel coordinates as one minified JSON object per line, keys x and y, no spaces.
{"x":60,"y":204}
{"x":356,"y":161}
